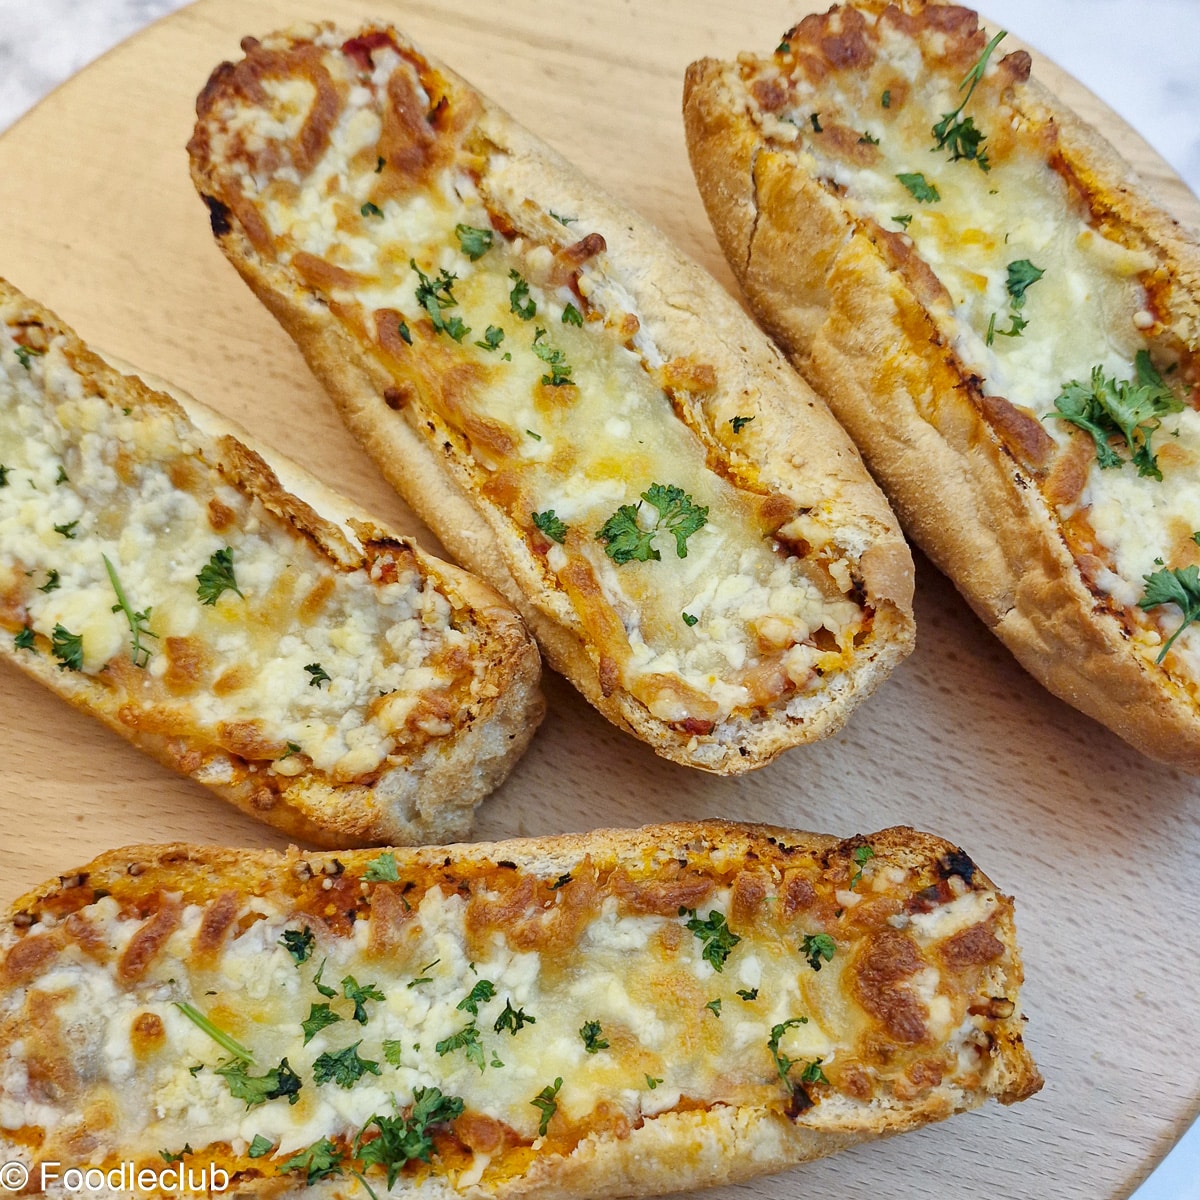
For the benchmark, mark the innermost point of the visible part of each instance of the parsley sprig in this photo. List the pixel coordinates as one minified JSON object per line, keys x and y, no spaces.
{"x":343,"y":1067}
{"x":818,"y":946}
{"x":784,"y":1064}
{"x":400,"y":1139}
{"x":1133,"y":409}
{"x":437,"y":295}
{"x":1180,"y":586}
{"x":959,"y":134}
{"x":139,"y":622}
{"x":546,"y":1103}
{"x":319,"y":1161}
{"x":67,"y":647}
{"x":719,"y":940}
{"x":625,"y":539}
{"x":277,"y":1083}
{"x":1021,"y":275}
{"x":216,"y":576}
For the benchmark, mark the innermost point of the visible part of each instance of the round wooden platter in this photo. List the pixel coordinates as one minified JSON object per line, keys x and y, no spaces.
{"x":1098,"y":844}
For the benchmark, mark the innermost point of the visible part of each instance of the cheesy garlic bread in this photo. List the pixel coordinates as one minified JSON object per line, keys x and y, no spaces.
{"x":581,"y":415}
{"x":1003,"y":321}
{"x":620,"y":1012}
{"x":324,"y":675}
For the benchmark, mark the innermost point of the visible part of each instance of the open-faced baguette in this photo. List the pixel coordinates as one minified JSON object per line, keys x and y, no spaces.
{"x":623,"y":1012}
{"x":582,"y":415}
{"x":324,"y":675}
{"x":958,"y":264}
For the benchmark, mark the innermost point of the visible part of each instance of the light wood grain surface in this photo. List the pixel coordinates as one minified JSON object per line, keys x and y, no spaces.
{"x":1099,"y":845}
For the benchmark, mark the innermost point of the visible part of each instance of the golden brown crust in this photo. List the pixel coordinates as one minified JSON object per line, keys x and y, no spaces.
{"x":430,"y":797}
{"x":799,"y":451}
{"x":963,"y":478}
{"x":688,"y":1146}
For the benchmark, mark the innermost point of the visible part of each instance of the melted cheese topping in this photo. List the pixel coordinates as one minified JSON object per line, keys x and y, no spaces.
{"x":86,"y":481}
{"x":629,"y":991}
{"x":1089,"y":309}
{"x":740,"y":621}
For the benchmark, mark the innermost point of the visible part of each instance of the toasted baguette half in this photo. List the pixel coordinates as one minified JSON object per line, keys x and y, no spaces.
{"x":984,"y":294}
{"x":278,"y":646}
{"x":620,"y":1012}
{"x":583,"y":416}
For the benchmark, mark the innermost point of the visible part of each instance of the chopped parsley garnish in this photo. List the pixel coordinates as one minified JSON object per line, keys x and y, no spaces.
{"x":319,"y":1016}
{"x":572,"y":316}
{"x":593,"y":1039}
{"x":216,"y":576}
{"x":298,"y":943}
{"x":904,"y":220}
{"x":688,"y":619}
{"x":818,"y":946}
{"x":481,"y":993}
{"x":402,"y":1139}
{"x":919,"y":188}
{"x":563,"y":220}
{"x":466,"y":1039}
{"x":626,"y":540}
{"x":550,"y":525}
{"x":380,"y":163}
{"x":360,"y":995}
{"x":437,"y":295}
{"x":814,"y":121}
{"x":382,"y":869}
{"x":886,"y":99}
{"x":393,"y":1050}
{"x":537,"y":437}
{"x":317,"y":675}
{"x":561,"y":881}
{"x":783,"y":1064}
{"x":62,"y":475}
{"x":1133,"y":409}
{"x":513,"y":1019}
{"x":224,"y":1040}
{"x":554,"y":358}
{"x":1021,"y":274}
{"x":403,"y":330}
{"x":475,"y":243}
{"x":324,"y":989}
{"x":748,"y":994}
{"x":291,"y":748}
{"x":67,"y":530}
{"x":739,"y":423}
{"x":714,"y":1007}
{"x":868,"y":139}
{"x":25,"y":353}
{"x":319,"y":1161}
{"x":53,"y":583}
{"x":783,"y":48}
{"x":493,"y":335}
{"x":67,"y":648}
{"x":371,"y":210}
{"x":168,"y":1157}
{"x":546,"y":1103}
{"x":23,"y":639}
{"x":519,"y":301}
{"x":1179,"y":586}
{"x":343,"y":1067}
{"x":423,"y":978}
{"x":812,"y":1072}
{"x":4,"y":475}
{"x":652,"y":1083}
{"x":260,"y":1147}
{"x":277,"y":1083}
{"x":139,"y":622}
{"x":719,"y":940}
{"x":860,"y":856}
{"x":959,"y":133}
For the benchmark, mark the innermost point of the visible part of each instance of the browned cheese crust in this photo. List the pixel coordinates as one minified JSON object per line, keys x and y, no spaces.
{"x":425,"y":404}
{"x":887,"y":996}
{"x":153,"y":486}
{"x":1006,"y":510}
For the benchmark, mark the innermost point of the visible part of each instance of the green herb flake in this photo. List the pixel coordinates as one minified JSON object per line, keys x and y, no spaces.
{"x":714,"y":1007}
{"x":719,"y":940}
{"x":53,"y":582}
{"x":958,"y":133}
{"x":319,"y":1161}
{"x":886,"y":99}
{"x":904,"y":220}
{"x":217,"y":576}
{"x":168,"y":1157}
{"x":513,"y":1019}
{"x":62,"y":475}
{"x":739,"y":423}
{"x":382,"y":869}
{"x":550,"y":525}
{"x":546,"y":1103}
{"x":260,"y":1147}
{"x":359,"y":995}
{"x":67,"y":648}
{"x":563,"y":220}
{"x":689,"y":619}
{"x":748,"y":994}
{"x":402,"y":1139}
{"x":475,"y":243}
{"x":380,"y":163}
{"x":291,"y":748}
{"x":561,"y":881}
{"x":652,"y":1083}
{"x":868,"y":139}
{"x":493,"y":335}
{"x":67,"y":530}
{"x":815,"y":122}
{"x":625,"y":540}
{"x":25,"y":353}
{"x":343,"y":1067}
{"x":278,"y":1083}
{"x":467,"y":1040}
{"x":371,"y":210}
{"x":393,"y":1050}
{"x":298,"y":942}
{"x":861,"y":855}
{"x":572,"y":316}
{"x":554,"y":358}
{"x":593,"y":1037}
{"x":537,"y":437}
{"x":4,"y":472}
{"x":323,"y":988}
{"x":519,"y":301}
{"x":817,"y":947}
{"x":919,"y":188}
{"x":1021,"y":274}
{"x":317,"y":675}
{"x":481,"y":993}
{"x":139,"y":622}
{"x":812,"y":1072}
{"x":437,"y":295}
{"x":403,"y":330}
{"x":783,"y":1064}
{"x":319,"y":1016}
{"x":784,"y":47}
{"x":23,"y":639}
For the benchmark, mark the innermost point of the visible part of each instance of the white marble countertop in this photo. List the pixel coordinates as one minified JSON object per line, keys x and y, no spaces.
{"x":1142,"y":57}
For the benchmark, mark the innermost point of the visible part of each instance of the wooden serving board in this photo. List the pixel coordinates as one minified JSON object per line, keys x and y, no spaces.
{"x":1099,"y":845}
